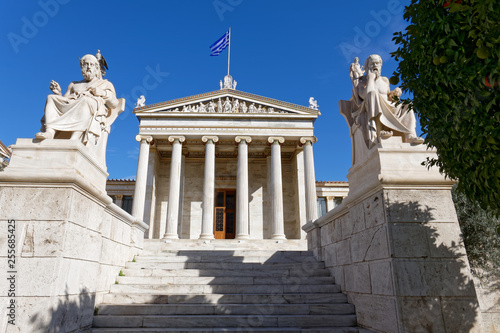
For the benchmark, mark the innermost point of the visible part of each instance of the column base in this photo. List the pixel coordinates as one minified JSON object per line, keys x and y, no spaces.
{"x":207,"y":236}
{"x":170,"y":236}
{"x":244,"y":236}
{"x":278,"y":237}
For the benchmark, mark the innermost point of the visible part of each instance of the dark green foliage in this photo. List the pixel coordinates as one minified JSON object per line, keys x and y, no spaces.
{"x":449,"y":59}
{"x":481,"y":233}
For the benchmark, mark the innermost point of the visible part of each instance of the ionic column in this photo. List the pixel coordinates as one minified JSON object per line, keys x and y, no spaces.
{"x":141,"y":177}
{"x":278,"y":224}
{"x":119,"y":200}
{"x":207,"y":221}
{"x":242,"y":188}
{"x":175,"y":187}
{"x":310,"y":178}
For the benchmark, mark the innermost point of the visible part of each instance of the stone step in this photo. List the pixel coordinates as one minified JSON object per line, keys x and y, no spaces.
{"x":225,"y":309}
{"x":223,"y":280}
{"x":232,"y":330}
{"x":158,"y":245}
{"x":224,"y":265}
{"x":226,"y":253}
{"x":231,"y":259}
{"x":227,"y":272}
{"x":159,"y":298}
{"x":224,"y":289}
{"x":220,"y":321}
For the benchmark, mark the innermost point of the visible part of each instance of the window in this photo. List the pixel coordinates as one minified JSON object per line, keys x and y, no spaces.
{"x":321,"y":206}
{"x":337,"y":201}
{"x":127,"y":203}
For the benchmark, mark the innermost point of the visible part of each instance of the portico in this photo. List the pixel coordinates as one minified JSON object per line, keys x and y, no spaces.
{"x":226,"y":164}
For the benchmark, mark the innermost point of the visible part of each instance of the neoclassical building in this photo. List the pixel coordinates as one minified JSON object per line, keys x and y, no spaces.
{"x":225,"y":164}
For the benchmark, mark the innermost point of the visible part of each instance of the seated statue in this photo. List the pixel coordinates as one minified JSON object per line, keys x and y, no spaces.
{"x":373,"y":107}
{"x":85,"y":112}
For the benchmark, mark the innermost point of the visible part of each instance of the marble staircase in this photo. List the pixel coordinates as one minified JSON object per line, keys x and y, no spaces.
{"x":225,"y":286}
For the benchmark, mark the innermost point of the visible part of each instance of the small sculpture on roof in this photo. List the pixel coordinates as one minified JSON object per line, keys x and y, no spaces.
{"x":141,"y":101}
{"x":313,"y":104}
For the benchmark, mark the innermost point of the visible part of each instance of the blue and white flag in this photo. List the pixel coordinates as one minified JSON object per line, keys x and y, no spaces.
{"x":220,"y":44}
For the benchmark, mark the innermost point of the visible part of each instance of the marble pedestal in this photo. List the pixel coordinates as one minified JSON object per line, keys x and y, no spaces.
{"x":394,"y":245}
{"x":70,"y":239}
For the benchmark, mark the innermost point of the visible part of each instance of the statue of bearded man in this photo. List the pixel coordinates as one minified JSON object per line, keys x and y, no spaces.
{"x":84,"y":112}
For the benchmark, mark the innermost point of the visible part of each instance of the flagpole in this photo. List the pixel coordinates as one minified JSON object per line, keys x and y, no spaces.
{"x":229,"y":51}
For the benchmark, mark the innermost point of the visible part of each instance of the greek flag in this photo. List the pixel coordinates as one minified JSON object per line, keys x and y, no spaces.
{"x":220,"y":44}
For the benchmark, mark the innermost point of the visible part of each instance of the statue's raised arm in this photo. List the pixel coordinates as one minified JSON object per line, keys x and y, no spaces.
{"x":87,"y":110}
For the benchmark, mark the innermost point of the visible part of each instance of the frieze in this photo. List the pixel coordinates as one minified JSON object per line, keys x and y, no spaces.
{"x":227,"y":105}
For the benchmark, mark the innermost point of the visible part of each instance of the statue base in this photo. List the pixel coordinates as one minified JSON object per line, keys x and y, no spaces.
{"x":56,"y":161}
{"x":394,"y":245}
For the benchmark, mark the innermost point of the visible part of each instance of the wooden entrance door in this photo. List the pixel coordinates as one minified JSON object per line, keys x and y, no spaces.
{"x":225,"y":214}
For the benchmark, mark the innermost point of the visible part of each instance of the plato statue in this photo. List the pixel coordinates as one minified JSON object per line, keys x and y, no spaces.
{"x":374,"y":109}
{"x":86,"y":111}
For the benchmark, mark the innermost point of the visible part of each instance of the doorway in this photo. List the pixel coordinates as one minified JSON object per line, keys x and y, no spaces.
{"x":225,"y":214}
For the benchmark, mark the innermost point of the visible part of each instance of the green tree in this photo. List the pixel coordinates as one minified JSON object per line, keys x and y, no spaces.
{"x":449,"y":60}
{"x":481,"y":233}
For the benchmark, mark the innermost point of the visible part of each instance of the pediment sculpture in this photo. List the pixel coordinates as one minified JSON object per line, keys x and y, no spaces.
{"x":87,"y":109}
{"x":373,"y":109}
{"x":226,"y":105}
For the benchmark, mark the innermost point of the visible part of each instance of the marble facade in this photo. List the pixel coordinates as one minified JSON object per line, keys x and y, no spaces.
{"x":256,"y":148}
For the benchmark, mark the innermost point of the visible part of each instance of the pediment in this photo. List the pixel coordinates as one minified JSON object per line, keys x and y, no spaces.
{"x":227,"y":101}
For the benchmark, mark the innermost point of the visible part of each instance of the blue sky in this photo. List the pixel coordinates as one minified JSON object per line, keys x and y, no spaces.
{"x":288,"y":50}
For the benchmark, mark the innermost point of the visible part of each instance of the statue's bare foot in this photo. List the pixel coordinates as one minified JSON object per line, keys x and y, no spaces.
{"x":385,"y":134}
{"x":416,"y":140}
{"x":43,"y":136}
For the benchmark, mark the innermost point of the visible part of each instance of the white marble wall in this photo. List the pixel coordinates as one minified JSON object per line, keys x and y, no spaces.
{"x":71,"y":242}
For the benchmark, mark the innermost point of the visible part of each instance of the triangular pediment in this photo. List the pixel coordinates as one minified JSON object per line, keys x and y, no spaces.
{"x":227,"y":101}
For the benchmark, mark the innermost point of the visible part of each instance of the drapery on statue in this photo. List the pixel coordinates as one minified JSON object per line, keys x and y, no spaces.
{"x":85,"y":112}
{"x":373,"y":108}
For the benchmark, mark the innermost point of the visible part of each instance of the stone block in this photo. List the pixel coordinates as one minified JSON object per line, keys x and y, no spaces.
{"x":358,"y":278}
{"x":461,"y":315}
{"x":329,"y":255}
{"x":370,"y":244}
{"x":381,"y":278}
{"x":55,"y":314}
{"x":40,"y":238}
{"x":338,"y":276}
{"x":420,"y":206}
{"x":410,"y":240}
{"x":106,"y":225}
{"x":433,"y":278}
{"x":343,"y":251}
{"x":357,"y":216}
{"x":376,"y":312}
{"x":325,"y":234}
{"x":38,"y":276}
{"x":374,"y":209}
{"x":34,"y":203}
{"x":445,"y":240}
{"x":82,"y":243}
{"x":77,"y":275}
{"x":346,"y":225}
{"x":422,"y":315}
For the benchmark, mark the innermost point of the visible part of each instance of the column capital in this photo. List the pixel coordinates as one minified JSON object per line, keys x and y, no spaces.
{"x":303,"y":140}
{"x":240,"y":139}
{"x":139,"y":138}
{"x":273,"y":139}
{"x":119,"y":196}
{"x":206,"y":138}
{"x":172,"y":138}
